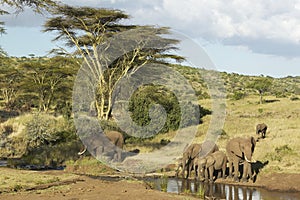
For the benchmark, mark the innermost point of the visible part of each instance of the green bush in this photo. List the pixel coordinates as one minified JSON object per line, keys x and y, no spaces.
{"x":237,"y":95}
{"x":148,"y":96}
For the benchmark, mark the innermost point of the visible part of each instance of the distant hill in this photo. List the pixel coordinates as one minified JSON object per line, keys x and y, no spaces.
{"x":237,"y":83}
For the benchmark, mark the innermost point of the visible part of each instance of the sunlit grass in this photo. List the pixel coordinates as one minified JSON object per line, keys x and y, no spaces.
{"x":280,"y":114}
{"x":16,"y":180}
{"x":282,"y":117}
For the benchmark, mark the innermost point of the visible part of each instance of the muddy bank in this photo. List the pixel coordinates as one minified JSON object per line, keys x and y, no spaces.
{"x":124,"y":186}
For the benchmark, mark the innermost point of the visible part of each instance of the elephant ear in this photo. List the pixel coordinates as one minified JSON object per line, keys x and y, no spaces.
{"x":210,"y":161}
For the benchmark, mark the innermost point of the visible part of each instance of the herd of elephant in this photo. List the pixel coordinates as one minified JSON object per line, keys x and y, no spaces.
{"x":206,"y":159}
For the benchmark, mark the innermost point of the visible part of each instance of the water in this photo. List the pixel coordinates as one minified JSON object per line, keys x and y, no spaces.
{"x":220,"y":191}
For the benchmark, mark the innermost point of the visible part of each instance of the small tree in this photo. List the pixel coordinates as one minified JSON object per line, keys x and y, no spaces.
{"x":262,"y":85}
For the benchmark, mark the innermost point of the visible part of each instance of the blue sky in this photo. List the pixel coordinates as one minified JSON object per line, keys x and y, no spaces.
{"x":242,"y":36}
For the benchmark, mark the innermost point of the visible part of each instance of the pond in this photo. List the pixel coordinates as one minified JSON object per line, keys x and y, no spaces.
{"x":218,"y":190}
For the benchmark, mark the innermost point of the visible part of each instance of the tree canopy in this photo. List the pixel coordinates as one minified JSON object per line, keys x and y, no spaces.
{"x":262,"y":85}
{"x":87,"y":30}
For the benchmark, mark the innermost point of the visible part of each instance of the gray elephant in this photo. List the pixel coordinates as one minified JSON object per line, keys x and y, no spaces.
{"x":239,"y":151}
{"x":110,"y":142}
{"x":261,"y":129}
{"x":216,"y":161}
{"x":192,"y":152}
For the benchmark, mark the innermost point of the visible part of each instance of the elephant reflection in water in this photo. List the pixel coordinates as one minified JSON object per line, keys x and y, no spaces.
{"x":236,"y":193}
{"x":215,"y":191}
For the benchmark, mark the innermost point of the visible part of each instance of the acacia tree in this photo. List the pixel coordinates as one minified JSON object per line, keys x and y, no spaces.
{"x":10,"y":79}
{"x":261,"y":85}
{"x":37,"y":5}
{"x":85,"y":28}
{"x":46,"y":80}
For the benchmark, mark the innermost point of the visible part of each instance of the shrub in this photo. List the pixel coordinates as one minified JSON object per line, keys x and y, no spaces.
{"x":237,"y":95}
{"x":294,"y":98}
{"x":40,"y":130}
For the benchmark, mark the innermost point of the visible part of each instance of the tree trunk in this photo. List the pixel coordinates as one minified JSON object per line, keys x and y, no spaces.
{"x":260,"y":97}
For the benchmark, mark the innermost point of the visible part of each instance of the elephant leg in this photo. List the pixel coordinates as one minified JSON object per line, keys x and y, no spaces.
{"x":206,"y":174}
{"x":236,"y":170}
{"x":211,"y":174}
{"x":183,"y":168}
{"x":189,"y":169}
{"x":246,"y":171}
{"x":230,"y":165}
{"x":223,"y":170}
{"x":118,"y":155}
{"x":187,"y":166}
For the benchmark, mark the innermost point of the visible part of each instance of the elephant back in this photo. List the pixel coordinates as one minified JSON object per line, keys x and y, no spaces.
{"x":207,"y":148}
{"x":116,"y":138}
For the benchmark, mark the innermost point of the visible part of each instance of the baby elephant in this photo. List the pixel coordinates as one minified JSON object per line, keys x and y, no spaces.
{"x":261,"y":129}
{"x":216,"y":161}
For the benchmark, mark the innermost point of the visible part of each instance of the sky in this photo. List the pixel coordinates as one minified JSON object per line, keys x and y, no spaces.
{"x":252,"y":37}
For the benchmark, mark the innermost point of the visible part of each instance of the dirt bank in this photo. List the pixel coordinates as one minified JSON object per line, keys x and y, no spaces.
{"x":89,"y":188}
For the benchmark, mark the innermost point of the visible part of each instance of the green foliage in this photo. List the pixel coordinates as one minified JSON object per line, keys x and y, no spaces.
{"x":87,"y":29}
{"x":52,"y":155}
{"x":238,"y":95}
{"x":201,"y":191}
{"x":164,"y":183}
{"x":284,"y":149}
{"x":280,"y":153}
{"x":262,"y":85}
{"x":150,"y":95}
{"x":147,"y":96}
{"x":42,"y":83}
{"x":40,"y":131}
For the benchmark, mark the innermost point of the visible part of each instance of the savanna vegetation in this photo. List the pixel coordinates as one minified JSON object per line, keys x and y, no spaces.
{"x":36,"y":96}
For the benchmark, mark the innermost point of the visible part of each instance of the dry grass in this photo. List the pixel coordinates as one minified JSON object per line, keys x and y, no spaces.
{"x":16,"y":180}
{"x":282,"y":145}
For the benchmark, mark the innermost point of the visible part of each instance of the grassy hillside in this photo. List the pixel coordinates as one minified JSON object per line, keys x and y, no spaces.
{"x":234,"y":83}
{"x":281,"y":145}
{"x":280,"y":112}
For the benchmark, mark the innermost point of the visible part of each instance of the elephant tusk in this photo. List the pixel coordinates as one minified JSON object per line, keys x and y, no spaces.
{"x":250,"y":161}
{"x":247,"y":159}
{"x":80,"y":153}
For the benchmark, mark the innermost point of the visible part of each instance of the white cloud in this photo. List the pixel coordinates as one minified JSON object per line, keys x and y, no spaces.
{"x":236,"y":20}
{"x":248,"y":23}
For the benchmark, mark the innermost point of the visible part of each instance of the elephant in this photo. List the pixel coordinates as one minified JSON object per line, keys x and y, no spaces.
{"x":193,"y":151}
{"x":216,"y":161}
{"x":112,"y":141}
{"x":261,"y":128}
{"x":239,"y":151}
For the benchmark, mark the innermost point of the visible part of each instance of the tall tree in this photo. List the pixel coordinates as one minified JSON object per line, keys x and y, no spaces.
{"x":48,"y":80}
{"x":37,"y":5}
{"x":10,"y":79}
{"x":261,"y":85}
{"x":85,"y":28}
